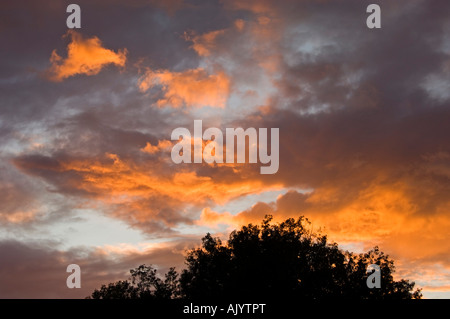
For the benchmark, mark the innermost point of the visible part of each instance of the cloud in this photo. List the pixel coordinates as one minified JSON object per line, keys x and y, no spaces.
{"x":38,"y":270}
{"x":204,"y":43}
{"x":162,"y":145}
{"x":380,"y":216}
{"x":254,"y":6}
{"x":152,"y":194}
{"x":18,"y":204}
{"x":84,"y":56}
{"x":191,"y":88}
{"x":362,"y":124}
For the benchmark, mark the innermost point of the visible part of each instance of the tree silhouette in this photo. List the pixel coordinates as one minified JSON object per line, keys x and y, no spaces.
{"x":143,"y":284}
{"x":284,"y":260}
{"x":118,"y":290}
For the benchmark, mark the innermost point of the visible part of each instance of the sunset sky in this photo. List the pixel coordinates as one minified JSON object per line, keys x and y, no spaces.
{"x":86,"y":115}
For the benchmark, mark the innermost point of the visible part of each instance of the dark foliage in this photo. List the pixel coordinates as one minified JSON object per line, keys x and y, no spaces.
{"x":143,"y":284}
{"x":283,"y":260}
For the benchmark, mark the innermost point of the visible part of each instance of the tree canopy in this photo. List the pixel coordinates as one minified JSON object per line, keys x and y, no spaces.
{"x":143,"y":284}
{"x":265,"y":261}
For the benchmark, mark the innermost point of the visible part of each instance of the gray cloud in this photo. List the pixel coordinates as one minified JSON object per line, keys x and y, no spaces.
{"x":38,"y":270}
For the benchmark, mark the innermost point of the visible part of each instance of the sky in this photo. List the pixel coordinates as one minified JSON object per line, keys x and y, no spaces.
{"x":86,"y":116}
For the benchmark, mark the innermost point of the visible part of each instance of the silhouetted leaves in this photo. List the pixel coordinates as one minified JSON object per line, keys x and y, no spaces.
{"x":284,"y":260}
{"x":143,"y":284}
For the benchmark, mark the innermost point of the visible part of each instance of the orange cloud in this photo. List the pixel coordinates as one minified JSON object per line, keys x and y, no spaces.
{"x":152,"y":149}
{"x":195,"y":88}
{"x":239,"y":24}
{"x":211,"y":218}
{"x":146,"y":194}
{"x":204,"y":43}
{"x":84,"y":56}
{"x":383,"y":215}
{"x":18,"y":217}
{"x":142,"y":248}
{"x":19,"y":205}
{"x":380,"y":214}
